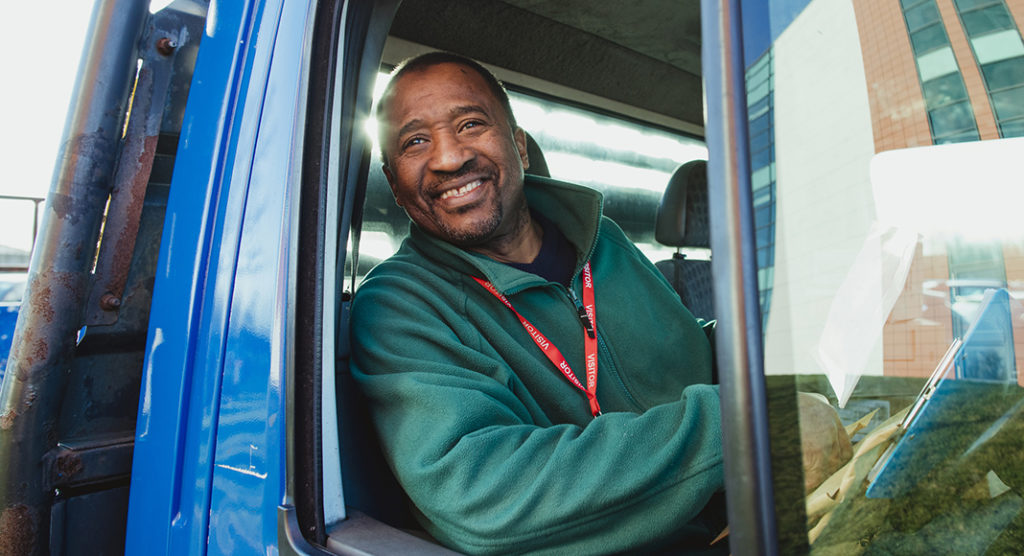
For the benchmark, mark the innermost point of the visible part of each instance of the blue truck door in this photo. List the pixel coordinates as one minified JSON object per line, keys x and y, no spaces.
{"x":209,"y":470}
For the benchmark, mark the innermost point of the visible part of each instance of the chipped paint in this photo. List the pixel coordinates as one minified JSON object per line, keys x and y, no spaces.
{"x":17,"y":531}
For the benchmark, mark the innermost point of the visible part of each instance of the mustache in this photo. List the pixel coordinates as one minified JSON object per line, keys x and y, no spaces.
{"x":439,"y":184}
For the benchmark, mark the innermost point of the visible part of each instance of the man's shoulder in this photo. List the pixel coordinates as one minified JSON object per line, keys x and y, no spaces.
{"x":408,"y":268}
{"x":404,"y":261}
{"x":610,"y":231}
{"x":407,"y":278}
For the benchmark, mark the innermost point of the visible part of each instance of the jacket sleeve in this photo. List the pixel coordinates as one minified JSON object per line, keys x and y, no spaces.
{"x":488,"y":479}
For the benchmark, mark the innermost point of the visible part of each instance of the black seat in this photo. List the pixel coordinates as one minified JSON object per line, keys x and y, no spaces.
{"x":538,"y":165}
{"x":683,"y":222}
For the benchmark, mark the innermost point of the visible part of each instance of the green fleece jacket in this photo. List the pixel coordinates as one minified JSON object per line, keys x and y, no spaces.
{"x":497,"y":450}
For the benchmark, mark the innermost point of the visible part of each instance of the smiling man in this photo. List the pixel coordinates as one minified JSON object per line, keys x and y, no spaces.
{"x":536,"y":384}
{"x":456,"y":162}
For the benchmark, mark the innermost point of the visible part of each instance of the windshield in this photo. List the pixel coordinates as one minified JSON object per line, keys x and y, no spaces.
{"x":885,"y":150}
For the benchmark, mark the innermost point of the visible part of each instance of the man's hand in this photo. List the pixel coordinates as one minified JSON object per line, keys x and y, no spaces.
{"x":825,"y":444}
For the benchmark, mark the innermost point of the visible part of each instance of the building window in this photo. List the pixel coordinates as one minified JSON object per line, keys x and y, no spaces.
{"x":999,"y":51}
{"x":949,"y":109}
{"x":760,"y":127}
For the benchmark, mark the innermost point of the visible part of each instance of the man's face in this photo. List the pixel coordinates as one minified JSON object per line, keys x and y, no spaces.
{"x":456,"y":165}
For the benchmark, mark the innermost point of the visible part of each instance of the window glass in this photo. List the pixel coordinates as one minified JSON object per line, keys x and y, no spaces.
{"x":1006,"y":73}
{"x":765,"y":257}
{"x":965,"y":5}
{"x":758,"y":75}
{"x":762,"y":213}
{"x":985,"y":20}
{"x":922,"y":15}
{"x":763,"y":195}
{"x":998,"y":46}
{"x":1012,"y":129}
{"x":758,"y":91}
{"x":936,"y":64}
{"x":761,"y":178}
{"x":944,"y":90}
{"x":959,"y":137}
{"x":760,"y":141}
{"x":951,"y":119}
{"x":630,"y":163}
{"x":897,"y":232}
{"x":760,"y":157}
{"x":928,"y":39}
{"x":763,"y":235}
{"x":760,"y":124}
{"x":758,"y":108}
{"x":1009,"y":104}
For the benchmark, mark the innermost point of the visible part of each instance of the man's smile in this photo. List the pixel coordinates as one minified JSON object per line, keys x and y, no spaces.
{"x":462,"y":191}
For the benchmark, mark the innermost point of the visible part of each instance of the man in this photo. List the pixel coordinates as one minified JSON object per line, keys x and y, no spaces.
{"x":535,"y":382}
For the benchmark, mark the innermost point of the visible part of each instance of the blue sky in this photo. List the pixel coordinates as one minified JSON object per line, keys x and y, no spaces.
{"x":764,"y":21}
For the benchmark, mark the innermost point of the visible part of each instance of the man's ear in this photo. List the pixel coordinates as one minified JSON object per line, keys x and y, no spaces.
{"x":520,"y":138}
{"x":391,"y":182}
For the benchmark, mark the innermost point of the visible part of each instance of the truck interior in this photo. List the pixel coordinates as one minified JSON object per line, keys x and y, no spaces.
{"x":635,"y":69}
{"x":610,"y":95}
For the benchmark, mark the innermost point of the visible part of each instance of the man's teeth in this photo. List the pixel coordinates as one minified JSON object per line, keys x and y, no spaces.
{"x":459,"y":192}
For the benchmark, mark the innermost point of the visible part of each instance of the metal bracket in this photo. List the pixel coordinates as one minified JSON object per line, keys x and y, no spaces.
{"x":134,"y":166}
{"x":76,"y":464}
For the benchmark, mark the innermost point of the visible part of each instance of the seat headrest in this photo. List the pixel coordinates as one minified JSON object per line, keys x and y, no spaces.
{"x":683,"y":212}
{"x":538,"y":166}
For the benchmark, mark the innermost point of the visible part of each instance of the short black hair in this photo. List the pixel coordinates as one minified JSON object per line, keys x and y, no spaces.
{"x":429,"y":60}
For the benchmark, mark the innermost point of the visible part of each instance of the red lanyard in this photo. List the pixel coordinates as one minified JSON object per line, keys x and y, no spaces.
{"x":588,"y":315}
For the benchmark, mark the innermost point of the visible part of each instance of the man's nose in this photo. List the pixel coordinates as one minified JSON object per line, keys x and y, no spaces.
{"x":450,"y":153}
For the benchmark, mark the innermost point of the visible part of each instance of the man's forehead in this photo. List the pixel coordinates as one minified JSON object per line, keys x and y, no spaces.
{"x":453,"y":112}
{"x":427,"y":89}
{"x":457,"y":76}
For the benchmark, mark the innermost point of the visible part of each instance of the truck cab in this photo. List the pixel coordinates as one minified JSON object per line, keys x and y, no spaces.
{"x":179,"y":377}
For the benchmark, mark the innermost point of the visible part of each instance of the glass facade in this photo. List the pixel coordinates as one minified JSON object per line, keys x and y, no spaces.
{"x":999,"y":52}
{"x":762,"y":166}
{"x":949,"y":108}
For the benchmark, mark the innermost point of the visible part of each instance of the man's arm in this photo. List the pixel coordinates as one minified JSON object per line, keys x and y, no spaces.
{"x":491,"y":478}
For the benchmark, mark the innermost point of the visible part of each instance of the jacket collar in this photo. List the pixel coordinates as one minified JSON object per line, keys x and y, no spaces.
{"x":576,"y":210}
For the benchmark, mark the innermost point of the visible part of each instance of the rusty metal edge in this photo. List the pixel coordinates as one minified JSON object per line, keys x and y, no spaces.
{"x":60,"y":273}
{"x":134,"y":167}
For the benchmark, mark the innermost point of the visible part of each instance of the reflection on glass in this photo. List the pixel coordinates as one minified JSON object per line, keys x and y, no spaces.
{"x":760,"y":116}
{"x":895,"y":195}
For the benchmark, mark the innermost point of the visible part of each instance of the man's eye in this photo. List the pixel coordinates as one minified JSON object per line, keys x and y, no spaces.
{"x":471,"y":124}
{"x":413,"y":142}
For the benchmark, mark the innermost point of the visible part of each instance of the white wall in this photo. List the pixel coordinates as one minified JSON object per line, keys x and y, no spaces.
{"x":824,"y":205}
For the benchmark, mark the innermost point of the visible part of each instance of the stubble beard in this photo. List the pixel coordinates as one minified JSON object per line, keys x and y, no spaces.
{"x":480,"y":233}
{"x":486,"y":234}
{"x":475,"y":234}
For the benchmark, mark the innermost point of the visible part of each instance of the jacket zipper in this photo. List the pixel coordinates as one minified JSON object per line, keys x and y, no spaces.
{"x":602,"y":348}
{"x":582,"y":313}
